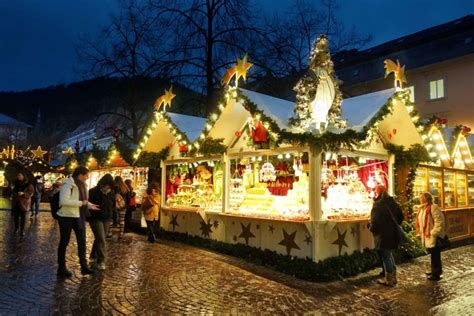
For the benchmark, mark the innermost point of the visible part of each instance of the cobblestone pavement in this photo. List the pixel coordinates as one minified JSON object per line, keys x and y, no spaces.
{"x":168,"y":277}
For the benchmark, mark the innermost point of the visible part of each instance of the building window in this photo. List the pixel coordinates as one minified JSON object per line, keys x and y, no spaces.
{"x":412,"y":93}
{"x":436,"y":89}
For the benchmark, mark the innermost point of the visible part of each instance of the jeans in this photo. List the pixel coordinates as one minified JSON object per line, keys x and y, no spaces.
{"x":150,"y":225}
{"x":19,"y":220}
{"x":436,"y":267}
{"x":36,"y":204}
{"x":100,"y":229}
{"x":66,"y":224}
{"x":387,"y":260}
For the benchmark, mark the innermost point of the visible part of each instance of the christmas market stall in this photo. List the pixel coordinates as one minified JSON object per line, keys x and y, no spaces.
{"x":296,"y":179}
{"x":450,"y":178}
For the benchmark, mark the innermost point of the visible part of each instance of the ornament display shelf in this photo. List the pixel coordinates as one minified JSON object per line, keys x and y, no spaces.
{"x":289,"y":220}
{"x":346,"y":220}
{"x":186,"y":209}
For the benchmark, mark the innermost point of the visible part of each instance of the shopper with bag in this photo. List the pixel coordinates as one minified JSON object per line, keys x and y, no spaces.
{"x":430,"y":227}
{"x":385,"y":217}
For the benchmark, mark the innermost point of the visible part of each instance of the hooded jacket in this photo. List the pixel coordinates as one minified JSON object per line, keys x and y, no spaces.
{"x":69,"y":199}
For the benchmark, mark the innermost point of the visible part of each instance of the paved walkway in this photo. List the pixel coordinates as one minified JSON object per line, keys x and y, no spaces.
{"x":169,"y":277}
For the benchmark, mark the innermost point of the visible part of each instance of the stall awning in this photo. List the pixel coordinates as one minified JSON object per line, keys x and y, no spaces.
{"x":358,"y":111}
{"x":191,"y":126}
{"x":278,"y":109}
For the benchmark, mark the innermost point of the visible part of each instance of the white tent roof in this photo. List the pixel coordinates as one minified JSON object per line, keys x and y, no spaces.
{"x":358,"y":111}
{"x":190,"y":125}
{"x":278,"y":109}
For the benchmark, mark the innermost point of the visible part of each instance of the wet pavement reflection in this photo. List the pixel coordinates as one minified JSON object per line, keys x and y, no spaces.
{"x":168,"y":277}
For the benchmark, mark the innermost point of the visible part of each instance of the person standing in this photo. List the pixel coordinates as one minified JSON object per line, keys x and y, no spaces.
{"x":430,"y":224}
{"x":385,"y":215}
{"x":37,"y":196}
{"x":151,"y":209}
{"x":21,"y":201}
{"x":103,"y":196}
{"x":122,"y":197}
{"x":73,"y":210}
{"x":132,"y":204}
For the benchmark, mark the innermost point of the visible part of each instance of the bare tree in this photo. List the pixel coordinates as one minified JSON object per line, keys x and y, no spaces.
{"x":208,"y":36}
{"x":302,"y":24}
{"x":128,"y":49}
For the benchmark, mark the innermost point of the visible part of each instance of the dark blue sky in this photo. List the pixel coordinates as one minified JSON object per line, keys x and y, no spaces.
{"x":37,"y":37}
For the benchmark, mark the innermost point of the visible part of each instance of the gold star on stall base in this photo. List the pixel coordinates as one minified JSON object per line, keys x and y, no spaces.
{"x":165,"y":99}
{"x":174,"y":221}
{"x":206,"y":229}
{"x":341,"y":240}
{"x":246,"y":233}
{"x":289,"y":241}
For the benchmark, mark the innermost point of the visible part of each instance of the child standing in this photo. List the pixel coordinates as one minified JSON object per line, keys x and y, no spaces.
{"x":151,"y":209}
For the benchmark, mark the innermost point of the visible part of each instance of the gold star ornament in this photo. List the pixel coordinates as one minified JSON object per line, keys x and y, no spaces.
{"x":39,"y":153}
{"x":239,"y":70}
{"x":69,"y":151}
{"x":242,"y":67}
{"x":165,"y":99}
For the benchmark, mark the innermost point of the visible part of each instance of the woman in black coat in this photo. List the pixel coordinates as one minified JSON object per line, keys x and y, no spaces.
{"x":104,"y":197}
{"x":385,"y":212}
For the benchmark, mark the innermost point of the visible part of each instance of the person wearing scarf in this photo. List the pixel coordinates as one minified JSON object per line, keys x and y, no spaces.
{"x":430,"y":225}
{"x":71,"y":216}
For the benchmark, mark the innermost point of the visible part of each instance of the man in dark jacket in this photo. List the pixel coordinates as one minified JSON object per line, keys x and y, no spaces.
{"x":385,"y":215}
{"x":102,"y":195}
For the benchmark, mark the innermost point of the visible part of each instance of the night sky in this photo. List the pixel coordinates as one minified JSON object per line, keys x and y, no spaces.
{"x":37,"y":37}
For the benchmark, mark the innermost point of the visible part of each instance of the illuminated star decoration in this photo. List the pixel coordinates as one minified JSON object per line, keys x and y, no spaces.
{"x":289,"y":241}
{"x":239,"y":70}
{"x":174,"y":221}
{"x":69,"y":151}
{"x":206,"y":228}
{"x":4,"y":153}
{"x":165,"y":99}
{"x":341,"y":240}
{"x":246,"y":233}
{"x":39,"y":153}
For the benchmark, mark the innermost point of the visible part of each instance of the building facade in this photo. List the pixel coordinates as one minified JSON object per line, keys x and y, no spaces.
{"x":439,"y":65}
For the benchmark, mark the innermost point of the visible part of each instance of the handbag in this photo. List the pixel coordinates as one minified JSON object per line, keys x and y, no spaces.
{"x":402,"y":236}
{"x":443,"y":243}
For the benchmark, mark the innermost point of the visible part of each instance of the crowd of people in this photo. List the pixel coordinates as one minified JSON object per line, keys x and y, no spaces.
{"x":385,"y":224}
{"x":108,"y":207}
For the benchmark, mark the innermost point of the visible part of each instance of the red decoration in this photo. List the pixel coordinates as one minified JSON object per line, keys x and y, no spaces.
{"x":466,"y":130}
{"x":389,"y":136}
{"x":259,"y":133}
{"x":238,"y":134}
{"x":394,"y":131}
{"x":170,"y":145}
{"x":441,"y":121}
{"x":183,"y":148}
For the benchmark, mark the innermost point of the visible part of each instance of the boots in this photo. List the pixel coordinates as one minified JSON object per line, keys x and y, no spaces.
{"x":389,"y":280}
{"x":64,"y":272}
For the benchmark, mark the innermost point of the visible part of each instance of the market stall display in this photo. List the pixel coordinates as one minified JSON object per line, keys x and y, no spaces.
{"x":294,"y":178}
